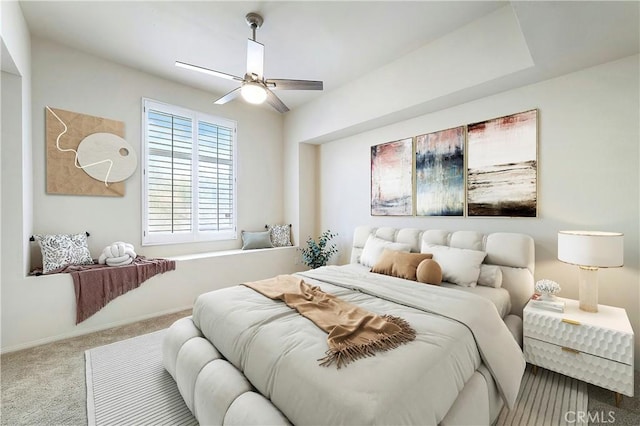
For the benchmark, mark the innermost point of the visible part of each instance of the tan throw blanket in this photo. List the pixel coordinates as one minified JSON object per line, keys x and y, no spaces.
{"x":496,"y":345}
{"x":354,"y":333}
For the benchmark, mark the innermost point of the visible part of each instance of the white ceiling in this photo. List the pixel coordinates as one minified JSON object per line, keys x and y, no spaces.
{"x":332,"y":41}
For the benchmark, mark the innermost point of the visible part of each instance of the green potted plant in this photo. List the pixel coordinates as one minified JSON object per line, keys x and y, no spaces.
{"x":318,"y":253}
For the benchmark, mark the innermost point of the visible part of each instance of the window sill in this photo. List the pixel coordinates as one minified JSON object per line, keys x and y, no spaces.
{"x":225,"y":253}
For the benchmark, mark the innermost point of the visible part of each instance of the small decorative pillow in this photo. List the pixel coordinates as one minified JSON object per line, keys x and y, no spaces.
{"x":490,"y":276}
{"x":459,"y":266}
{"x":429,"y":272}
{"x":62,"y":250}
{"x":280,"y":235}
{"x":374,"y":247}
{"x":399,"y":264}
{"x":256,"y":240}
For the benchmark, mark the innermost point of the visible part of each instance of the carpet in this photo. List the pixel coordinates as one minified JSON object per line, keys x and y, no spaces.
{"x":547,"y":398}
{"x":127,"y":384}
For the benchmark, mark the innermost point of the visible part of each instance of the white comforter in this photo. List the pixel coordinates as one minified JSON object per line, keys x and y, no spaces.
{"x":416,"y":383}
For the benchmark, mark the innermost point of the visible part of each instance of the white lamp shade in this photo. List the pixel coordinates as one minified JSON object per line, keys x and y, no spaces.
{"x":591,"y":248}
{"x":253,"y":93}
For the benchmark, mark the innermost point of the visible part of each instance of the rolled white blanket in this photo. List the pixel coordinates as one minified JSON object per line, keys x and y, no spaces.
{"x":117,"y":254}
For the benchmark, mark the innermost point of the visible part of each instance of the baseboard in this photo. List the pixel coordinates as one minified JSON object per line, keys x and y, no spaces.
{"x":90,"y":330}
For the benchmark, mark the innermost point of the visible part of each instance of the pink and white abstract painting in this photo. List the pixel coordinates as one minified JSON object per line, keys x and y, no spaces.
{"x":392,"y":178}
{"x":502,"y":166}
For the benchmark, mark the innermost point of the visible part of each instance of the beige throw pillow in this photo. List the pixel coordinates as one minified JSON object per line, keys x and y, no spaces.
{"x":429,"y":272}
{"x":399,"y":264}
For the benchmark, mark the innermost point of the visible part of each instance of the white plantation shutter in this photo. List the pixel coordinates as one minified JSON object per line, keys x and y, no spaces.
{"x":215,"y":171}
{"x":168,"y":172}
{"x":189,"y":176}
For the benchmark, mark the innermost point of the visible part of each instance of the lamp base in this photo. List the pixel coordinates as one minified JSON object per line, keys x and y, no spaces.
{"x":588,"y":280}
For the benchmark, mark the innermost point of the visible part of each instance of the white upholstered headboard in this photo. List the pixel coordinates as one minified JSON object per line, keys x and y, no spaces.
{"x":514,"y":253}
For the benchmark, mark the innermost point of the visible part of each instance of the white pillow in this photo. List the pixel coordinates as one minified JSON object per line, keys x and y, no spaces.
{"x":490,"y":276}
{"x":459,"y":266}
{"x":374,"y":247}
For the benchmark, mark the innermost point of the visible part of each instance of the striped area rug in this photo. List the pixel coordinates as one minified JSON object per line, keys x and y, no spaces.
{"x":127,"y":385}
{"x":547,"y":398}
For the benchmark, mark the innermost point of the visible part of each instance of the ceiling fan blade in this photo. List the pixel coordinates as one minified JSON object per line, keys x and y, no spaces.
{"x":228,"y":97}
{"x":208,"y":71}
{"x":280,"y":84}
{"x":275,"y":102}
{"x":255,"y":58}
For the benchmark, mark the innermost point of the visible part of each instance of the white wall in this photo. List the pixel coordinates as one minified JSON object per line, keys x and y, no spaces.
{"x":17,"y":200}
{"x":15,"y":35}
{"x":588,"y":144}
{"x":430,"y":78}
{"x":310,"y":186}
{"x":16,"y":168}
{"x":71,"y":80}
{"x":36,"y":310}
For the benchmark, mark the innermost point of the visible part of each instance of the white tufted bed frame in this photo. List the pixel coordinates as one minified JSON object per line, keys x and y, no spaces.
{"x":514,"y":253}
{"x":218,"y":393}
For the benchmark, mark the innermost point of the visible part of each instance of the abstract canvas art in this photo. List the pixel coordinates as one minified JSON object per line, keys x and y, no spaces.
{"x":440,"y":173}
{"x":65,"y":132}
{"x":502,"y":166}
{"x":392,"y":178}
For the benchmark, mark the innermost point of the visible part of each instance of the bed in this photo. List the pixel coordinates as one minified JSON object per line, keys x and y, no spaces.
{"x":243,"y":358}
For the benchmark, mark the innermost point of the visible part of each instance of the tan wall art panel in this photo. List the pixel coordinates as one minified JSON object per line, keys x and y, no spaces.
{"x":63,"y":177}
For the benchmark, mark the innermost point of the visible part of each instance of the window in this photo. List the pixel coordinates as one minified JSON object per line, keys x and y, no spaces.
{"x":189,"y":176}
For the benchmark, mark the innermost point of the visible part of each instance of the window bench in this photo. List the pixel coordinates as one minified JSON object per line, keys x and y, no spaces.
{"x":50,"y":314}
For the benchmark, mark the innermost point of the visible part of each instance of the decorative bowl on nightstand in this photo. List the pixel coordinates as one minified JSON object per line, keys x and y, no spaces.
{"x":547,"y":289}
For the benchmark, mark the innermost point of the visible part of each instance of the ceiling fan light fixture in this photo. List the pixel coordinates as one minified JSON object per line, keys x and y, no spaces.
{"x":255,"y":88}
{"x":253,"y":93}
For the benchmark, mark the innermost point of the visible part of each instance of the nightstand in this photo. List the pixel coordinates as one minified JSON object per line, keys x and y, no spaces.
{"x":594,"y":347}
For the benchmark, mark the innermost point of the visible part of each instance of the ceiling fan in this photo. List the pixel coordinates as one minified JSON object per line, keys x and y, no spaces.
{"x":255,"y":88}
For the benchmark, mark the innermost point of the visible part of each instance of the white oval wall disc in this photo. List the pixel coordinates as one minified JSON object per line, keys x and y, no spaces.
{"x":98,"y":151}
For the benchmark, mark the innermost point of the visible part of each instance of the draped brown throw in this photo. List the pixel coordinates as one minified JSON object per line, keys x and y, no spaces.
{"x":96,"y":285}
{"x":354,"y":333}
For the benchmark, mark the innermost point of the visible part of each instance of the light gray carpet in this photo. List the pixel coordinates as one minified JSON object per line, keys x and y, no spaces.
{"x":45,"y":385}
{"x":127,"y":385}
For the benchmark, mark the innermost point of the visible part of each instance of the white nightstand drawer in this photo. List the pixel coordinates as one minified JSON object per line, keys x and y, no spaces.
{"x":573,"y":331}
{"x":602,"y":372}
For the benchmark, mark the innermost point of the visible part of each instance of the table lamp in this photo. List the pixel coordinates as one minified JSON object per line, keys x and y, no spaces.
{"x":590,"y":250}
